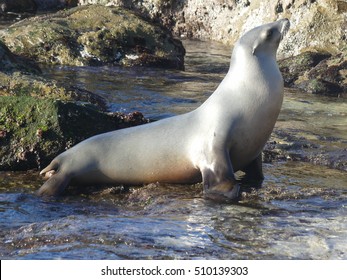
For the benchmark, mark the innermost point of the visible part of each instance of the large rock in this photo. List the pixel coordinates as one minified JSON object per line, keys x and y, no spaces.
{"x":39,"y":119}
{"x":319,"y":25}
{"x":317,"y":73}
{"x":94,"y":35}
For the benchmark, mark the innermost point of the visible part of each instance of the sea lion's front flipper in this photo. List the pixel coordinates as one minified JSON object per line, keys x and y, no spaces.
{"x":226,"y":191}
{"x":219,"y":180}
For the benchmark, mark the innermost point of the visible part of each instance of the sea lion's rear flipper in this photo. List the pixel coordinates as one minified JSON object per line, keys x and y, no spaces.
{"x":254,"y":170}
{"x":49,"y":170}
{"x":54,"y":186}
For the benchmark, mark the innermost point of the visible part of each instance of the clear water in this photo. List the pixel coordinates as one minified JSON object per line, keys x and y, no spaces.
{"x":300,"y":212}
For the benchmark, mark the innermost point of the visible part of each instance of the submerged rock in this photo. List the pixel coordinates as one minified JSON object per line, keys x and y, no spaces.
{"x":286,"y":146}
{"x":94,"y":35}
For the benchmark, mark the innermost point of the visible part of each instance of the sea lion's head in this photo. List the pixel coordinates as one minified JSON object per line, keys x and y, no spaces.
{"x":264,"y":39}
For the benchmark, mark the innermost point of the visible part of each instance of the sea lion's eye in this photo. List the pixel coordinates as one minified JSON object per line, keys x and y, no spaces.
{"x":269,"y":33}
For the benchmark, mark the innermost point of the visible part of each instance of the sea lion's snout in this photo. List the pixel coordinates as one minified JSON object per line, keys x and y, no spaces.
{"x":285,"y":25}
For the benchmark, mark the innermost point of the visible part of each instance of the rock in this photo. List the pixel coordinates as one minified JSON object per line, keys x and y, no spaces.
{"x":319,"y":26}
{"x":10,"y":62}
{"x":285,"y":146}
{"x":19,"y":84}
{"x":94,"y":35}
{"x":317,"y":73}
{"x":296,"y":66}
{"x":20,"y":77}
{"x":329,"y":77}
{"x":33,"y":131}
{"x":40,"y":118}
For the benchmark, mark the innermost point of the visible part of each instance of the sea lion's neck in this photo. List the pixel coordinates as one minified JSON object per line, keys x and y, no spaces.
{"x":244,"y":63}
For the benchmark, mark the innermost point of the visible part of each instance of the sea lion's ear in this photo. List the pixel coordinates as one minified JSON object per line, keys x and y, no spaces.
{"x":255,"y":46}
{"x":254,"y":49}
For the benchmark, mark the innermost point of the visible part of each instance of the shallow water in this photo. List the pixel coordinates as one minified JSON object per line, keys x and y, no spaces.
{"x":300,"y":212}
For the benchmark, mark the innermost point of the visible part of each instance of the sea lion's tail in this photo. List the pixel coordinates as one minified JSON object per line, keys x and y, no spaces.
{"x":56,"y":183}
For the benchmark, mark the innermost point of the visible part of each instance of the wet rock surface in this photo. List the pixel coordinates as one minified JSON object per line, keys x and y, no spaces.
{"x":33,"y":131}
{"x":316,"y":73}
{"x":284,"y":146}
{"x":94,"y":35}
{"x":10,"y":62}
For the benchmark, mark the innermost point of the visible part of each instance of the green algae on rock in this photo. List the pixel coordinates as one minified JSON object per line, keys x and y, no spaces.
{"x":94,"y":35}
{"x":33,"y":131}
{"x":19,"y":84}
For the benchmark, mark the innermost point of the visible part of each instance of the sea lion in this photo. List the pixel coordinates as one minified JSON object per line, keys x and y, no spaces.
{"x":225,"y":134}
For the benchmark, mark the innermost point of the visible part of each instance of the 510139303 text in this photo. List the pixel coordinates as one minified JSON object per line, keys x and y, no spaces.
{"x":157,"y":271}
